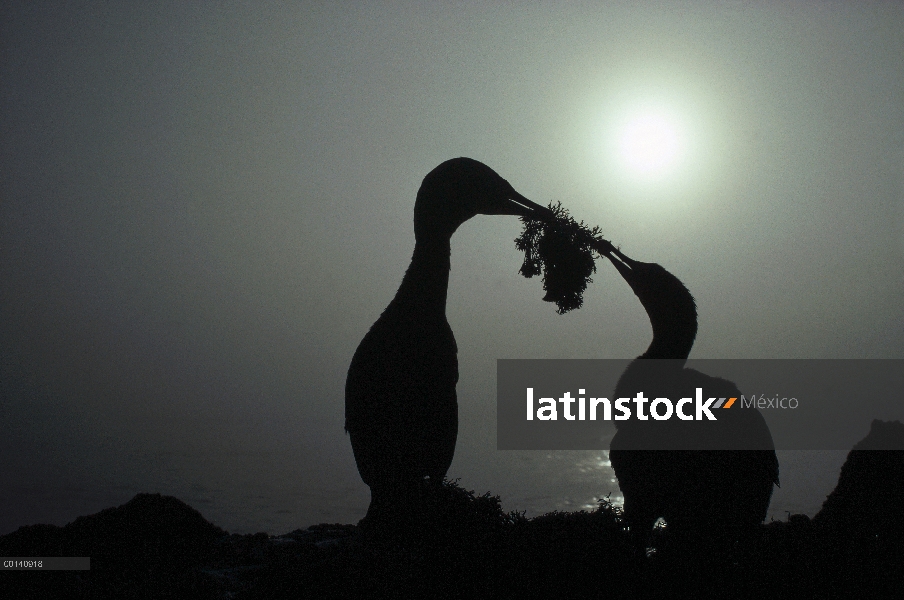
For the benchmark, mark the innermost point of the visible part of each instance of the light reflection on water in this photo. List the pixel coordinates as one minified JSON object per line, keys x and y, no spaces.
{"x":565,"y":480}
{"x":251,"y":492}
{"x":576,"y":480}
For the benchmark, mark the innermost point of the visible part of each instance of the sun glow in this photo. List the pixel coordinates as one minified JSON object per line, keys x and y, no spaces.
{"x":656,"y":147}
{"x":650,"y":144}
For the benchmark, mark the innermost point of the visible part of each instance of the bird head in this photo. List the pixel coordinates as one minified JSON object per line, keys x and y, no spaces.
{"x":461,"y":188}
{"x":669,"y":304}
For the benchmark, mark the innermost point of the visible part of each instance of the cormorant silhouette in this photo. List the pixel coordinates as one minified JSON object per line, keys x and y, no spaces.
{"x":709,"y":498}
{"x":401,"y":410}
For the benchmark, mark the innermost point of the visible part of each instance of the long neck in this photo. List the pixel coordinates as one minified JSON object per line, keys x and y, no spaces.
{"x":674,"y":329}
{"x":670,"y":344}
{"x":426,"y":283}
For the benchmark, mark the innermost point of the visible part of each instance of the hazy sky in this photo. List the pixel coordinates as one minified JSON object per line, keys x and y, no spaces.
{"x":204,"y":207}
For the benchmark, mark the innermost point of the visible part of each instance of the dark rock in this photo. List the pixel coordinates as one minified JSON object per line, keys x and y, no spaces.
{"x":869,"y":498}
{"x":147,"y":546}
{"x":465,"y":546}
{"x":860,"y":544}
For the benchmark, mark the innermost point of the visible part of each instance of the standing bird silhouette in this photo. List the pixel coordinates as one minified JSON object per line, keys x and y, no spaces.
{"x":401,"y":409}
{"x":709,"y":496}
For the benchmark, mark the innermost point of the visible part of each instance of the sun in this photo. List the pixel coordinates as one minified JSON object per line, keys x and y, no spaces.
{"x":650,"y":144}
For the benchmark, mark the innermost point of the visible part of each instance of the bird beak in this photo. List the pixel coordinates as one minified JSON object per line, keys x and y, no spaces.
{"x":622,"y":263}
{"x":516,"y":204}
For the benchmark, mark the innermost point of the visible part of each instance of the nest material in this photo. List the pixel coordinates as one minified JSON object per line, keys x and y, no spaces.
{"x":562,"y":251}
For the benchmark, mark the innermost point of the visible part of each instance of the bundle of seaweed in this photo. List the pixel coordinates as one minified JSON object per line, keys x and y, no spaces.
{"x":563,"y":251}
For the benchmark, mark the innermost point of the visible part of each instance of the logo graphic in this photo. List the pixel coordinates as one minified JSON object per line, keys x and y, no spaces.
{"x":660,"y":409}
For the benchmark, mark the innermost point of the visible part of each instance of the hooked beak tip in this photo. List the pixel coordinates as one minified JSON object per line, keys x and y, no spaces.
{"x":542,"y":213}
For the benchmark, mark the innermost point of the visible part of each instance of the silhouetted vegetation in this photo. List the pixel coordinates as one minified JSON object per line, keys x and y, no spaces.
{"x":560,"y":250}
{"x":459,"y":545}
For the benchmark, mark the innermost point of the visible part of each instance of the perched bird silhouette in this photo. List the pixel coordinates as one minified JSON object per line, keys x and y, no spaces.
{"x":708,"y":496}
{"x":401,"y":410}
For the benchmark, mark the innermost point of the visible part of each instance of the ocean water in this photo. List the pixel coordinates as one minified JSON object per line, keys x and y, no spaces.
{"x":274,"y":492}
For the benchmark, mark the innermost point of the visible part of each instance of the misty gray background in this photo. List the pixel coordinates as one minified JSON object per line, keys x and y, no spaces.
{"x":204,"y":206}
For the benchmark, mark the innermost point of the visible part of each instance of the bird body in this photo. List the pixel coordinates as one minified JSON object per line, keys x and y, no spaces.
{"x":703,"y":491}
{"x":401,"y":409}
{"x":401,"y":405}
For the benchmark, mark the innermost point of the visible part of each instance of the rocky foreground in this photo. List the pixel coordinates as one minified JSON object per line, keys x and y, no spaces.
{"x":158,"y":547}
{"x":465,"y":546}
